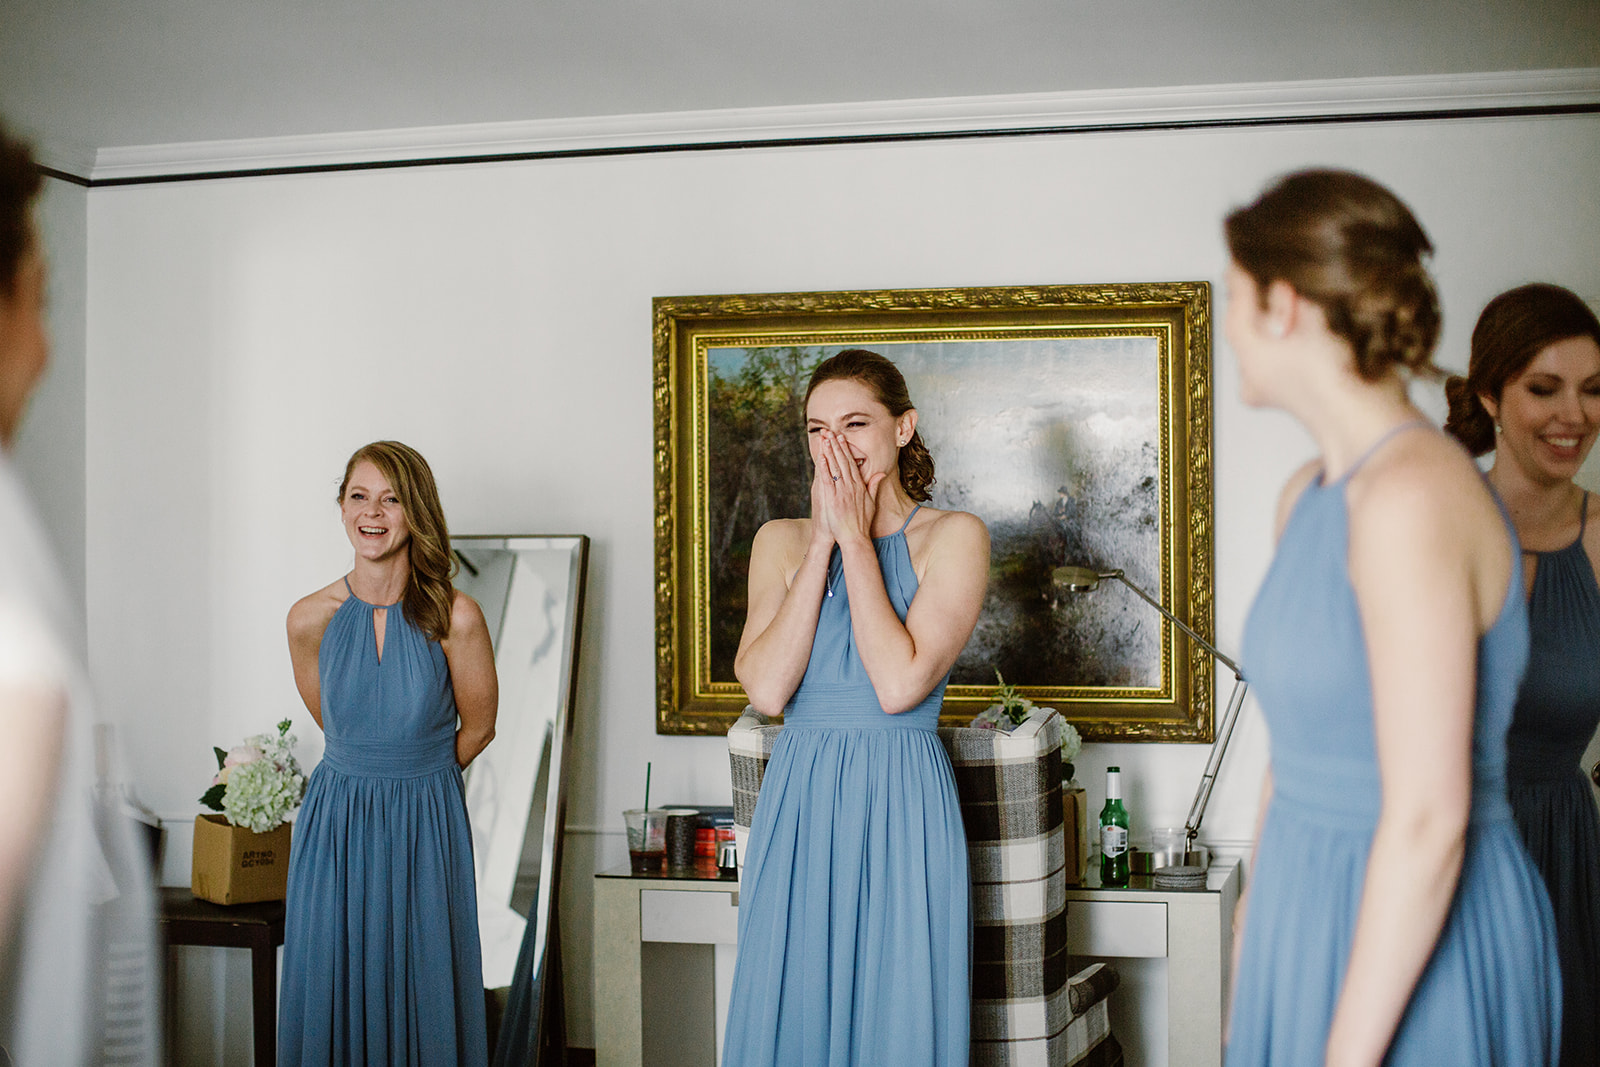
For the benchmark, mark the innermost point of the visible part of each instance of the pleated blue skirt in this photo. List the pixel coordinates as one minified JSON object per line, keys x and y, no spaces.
{"x":381,"y":959}
{"x":854,"y":914}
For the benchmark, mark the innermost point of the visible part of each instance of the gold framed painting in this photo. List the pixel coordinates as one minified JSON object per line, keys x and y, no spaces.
{"x":1075,"y":420}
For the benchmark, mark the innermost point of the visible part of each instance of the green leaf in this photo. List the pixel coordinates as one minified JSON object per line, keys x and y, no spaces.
{"x":212,"y":797}
{"x":283,"y":727}
{"x":222,"y":757}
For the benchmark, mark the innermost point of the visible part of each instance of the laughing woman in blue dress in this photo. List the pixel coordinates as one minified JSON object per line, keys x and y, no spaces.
{"x":854,"y":915}
{"x":1532,"y":395}
{"x":381,"y":962}
{"x":1394,"y":916}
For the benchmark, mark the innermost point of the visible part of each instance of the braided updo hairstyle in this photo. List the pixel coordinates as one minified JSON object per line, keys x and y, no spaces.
{"x":888,"y":385}
{"x":1514,"y":328}
{"x":1352,"y":247}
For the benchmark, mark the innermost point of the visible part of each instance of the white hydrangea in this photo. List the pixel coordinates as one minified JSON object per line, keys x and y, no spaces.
{"x":258,"y":783}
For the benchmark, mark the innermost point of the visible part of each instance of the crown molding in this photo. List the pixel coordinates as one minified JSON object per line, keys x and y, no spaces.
{"x":1188,"y":106}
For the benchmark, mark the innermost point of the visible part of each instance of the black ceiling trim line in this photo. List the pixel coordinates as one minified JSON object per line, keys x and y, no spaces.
{"x":61,"y":175}
{"x":1531,"y":111}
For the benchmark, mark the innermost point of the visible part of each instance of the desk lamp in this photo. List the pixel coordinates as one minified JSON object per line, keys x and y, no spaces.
{"x":1084,"y":580}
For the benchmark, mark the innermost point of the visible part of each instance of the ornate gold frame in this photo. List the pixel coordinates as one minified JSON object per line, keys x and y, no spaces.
{"x":1175,"y":314}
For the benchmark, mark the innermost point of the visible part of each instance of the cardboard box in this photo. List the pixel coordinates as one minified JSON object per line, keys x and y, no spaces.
{"x":233,"y":865}
{"x":1075,"y":822}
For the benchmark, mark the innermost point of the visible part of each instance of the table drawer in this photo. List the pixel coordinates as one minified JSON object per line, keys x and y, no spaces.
{"x":1116,"y":928}
{"x":688,"y":917}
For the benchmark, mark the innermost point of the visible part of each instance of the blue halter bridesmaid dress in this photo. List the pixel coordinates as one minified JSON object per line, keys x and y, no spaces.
{"x":381,"y":963}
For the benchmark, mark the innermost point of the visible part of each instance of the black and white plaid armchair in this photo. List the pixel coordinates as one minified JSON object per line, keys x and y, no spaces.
{"x":1027,"y":1008}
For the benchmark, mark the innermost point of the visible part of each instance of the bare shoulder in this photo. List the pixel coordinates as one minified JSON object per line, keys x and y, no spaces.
{"x":311,"y":614}
{"x":1422,"y":478}
{"x":782,"y":540}
{"x":948,"y":533}
{"x":1420,"y":507}
{"x":466,"y":617}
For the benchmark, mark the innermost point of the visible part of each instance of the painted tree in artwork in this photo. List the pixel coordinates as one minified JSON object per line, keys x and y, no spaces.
{"x":757,"y":469}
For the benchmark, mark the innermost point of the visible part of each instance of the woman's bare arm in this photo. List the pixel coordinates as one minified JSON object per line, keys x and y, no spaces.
{"x":308,"y":620}
{"x":1420,"y":533}
{"x":906,"y":660}
{"x":470,"y":654}
{"x":782,"y":618}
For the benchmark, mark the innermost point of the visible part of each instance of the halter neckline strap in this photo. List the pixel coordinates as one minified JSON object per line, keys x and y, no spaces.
{"x":1371,"y":450}
{"x":1583,"y":524}
{"x":903,"y":525}
{"x":368,"y":603}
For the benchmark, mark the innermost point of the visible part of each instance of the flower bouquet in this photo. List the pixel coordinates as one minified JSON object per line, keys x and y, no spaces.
{"x":242,"y":855}
{"x":1009,"y":711}
{"x":259,"y":782}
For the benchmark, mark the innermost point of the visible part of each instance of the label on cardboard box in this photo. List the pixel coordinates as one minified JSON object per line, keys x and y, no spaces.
{"x":234,"y":865}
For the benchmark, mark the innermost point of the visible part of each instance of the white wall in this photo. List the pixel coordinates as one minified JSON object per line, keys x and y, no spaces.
{"x":50,"y":446}
{"x":245,"y":335}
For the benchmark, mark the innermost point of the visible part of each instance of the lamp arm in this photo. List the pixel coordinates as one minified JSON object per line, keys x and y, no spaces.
{"x":1202,"y":795}
{"x":1238,"y":672}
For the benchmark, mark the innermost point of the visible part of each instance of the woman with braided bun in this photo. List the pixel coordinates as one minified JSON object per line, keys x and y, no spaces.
{"x":1394,"y":916}
{"x":1532,"y":396}
{"x":381,"y":963}
{"x":854,"y":920}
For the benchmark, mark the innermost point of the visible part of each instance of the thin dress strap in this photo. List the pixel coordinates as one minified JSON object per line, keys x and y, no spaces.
{"x":903,"y":525}
{"x":1393,"y":431}
{"x":1583,"y":514}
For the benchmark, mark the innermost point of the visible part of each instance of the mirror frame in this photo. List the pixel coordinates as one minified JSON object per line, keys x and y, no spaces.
{"x":543,"y":912}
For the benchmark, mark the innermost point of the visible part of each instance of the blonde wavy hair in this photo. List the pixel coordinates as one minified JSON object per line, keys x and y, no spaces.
{"x":429,"y":593}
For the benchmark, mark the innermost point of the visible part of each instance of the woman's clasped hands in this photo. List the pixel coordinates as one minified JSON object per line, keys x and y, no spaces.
{"x":843,"y":503}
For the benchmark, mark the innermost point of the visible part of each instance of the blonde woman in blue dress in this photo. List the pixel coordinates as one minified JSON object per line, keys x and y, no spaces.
{"x":381,"y":962}
{"x":1394,"y":916}
{"x":854,"y":915}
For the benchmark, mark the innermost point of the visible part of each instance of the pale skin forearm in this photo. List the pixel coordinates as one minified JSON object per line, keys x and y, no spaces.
{"x":772,"y":661}
{"x":888,"y":651}
{"x":1412,"y":872}
{"x":470,"y":742}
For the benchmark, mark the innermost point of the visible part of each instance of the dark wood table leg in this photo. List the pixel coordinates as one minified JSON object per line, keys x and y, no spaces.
{"x":264,"y":997}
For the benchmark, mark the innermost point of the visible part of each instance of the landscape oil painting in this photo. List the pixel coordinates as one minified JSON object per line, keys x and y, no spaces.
{"x":1072,"y":435}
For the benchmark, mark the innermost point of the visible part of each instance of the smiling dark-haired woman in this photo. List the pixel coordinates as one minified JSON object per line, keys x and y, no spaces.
{"x":1532,"y":395}
{"x":381,"y":962}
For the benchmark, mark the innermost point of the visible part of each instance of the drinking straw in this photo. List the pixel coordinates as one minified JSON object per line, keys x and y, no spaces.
{"x":647,"y":786}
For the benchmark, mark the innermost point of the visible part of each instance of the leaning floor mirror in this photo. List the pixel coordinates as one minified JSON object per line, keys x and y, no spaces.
{"x":531,"y":592}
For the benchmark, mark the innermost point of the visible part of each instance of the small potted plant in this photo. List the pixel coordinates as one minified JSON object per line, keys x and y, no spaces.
{"x":242,"y":855}
{"x":1007,"y":712}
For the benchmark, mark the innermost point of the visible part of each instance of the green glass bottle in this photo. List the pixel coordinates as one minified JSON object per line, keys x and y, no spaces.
{"x":1113,"y":833}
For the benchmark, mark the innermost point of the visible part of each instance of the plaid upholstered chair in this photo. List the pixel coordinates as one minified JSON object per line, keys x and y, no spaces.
{"x":1026,"y":1006}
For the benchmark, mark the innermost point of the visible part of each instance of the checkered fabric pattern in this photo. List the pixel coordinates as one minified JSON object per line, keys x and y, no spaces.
{"x":1025,"y":1011}
{"x":1010,"y":790}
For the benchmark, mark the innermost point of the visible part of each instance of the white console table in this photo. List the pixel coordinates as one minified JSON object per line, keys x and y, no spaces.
{"x":1192,"y":929}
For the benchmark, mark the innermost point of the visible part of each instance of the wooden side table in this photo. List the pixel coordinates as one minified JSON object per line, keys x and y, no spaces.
{"x":186,"y":920}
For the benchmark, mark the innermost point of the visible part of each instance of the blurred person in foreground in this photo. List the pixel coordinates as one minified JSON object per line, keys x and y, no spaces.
{"x":78,"y":979}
